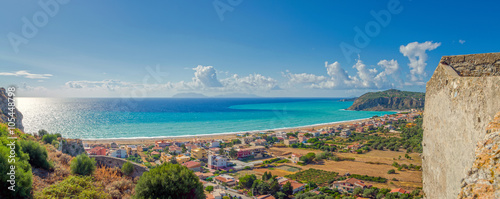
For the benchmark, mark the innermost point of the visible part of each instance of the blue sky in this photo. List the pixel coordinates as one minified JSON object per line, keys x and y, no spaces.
{"x":266,"y":48}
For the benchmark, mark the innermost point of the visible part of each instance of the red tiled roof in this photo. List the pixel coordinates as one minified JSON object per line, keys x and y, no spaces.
{"x":192,"y":164}
{"x":266,"y":197}
{"x":399,"y":190}
{"x":223,"y":179}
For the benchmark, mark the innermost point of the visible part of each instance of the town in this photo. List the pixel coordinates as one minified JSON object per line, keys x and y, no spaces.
{"x":291,"y":164}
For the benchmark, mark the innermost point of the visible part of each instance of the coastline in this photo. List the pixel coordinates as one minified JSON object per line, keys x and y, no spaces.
{"x":226,"y":135}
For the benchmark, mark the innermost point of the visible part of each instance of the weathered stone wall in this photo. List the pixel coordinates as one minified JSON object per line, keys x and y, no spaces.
{"x":457,"y":112}
{"x":118,"y":162}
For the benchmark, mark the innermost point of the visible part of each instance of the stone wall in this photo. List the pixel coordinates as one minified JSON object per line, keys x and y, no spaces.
{"x":460,"y":102}
{"x":118,"y":162}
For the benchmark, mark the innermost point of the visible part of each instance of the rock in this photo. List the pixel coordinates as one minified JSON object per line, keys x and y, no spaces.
{"x":4,"y":111}
{"x":391,"y":99}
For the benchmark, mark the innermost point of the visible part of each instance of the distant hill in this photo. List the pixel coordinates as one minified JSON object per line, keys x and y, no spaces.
{"x":391,"y":99}
{"x":236,"y":95}
{"x":348,"y":99}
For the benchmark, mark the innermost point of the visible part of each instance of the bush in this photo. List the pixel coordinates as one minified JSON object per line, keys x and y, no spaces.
{"x":55,"y":143}
{"x":74,"y":187}
{"x":49,"y":138}
{"x":82,"y":165}
{"x":23,"y":174}
{"x":37,"y":153}
{"x":127,"y":168}
{"x":392,"y":171}
{"x":42,"y":132}
{"x":209,"y":188}
{"x":169,"y":180}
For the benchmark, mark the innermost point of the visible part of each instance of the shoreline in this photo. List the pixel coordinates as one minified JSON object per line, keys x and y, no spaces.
{"x":224,"y":135}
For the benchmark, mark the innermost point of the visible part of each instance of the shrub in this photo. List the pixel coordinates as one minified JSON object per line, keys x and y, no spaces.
{"x":172,"y":180}
{"x":23,"y":174}
{"x":82,"y":165}
{"x":42,"y":132}
{"x":74,"y":187}
{"x":37,"y":153}
{"x":127,"y":168}
{"x":49,"y":138}
{"x":209,"y":188}
{"x":392,"y":171}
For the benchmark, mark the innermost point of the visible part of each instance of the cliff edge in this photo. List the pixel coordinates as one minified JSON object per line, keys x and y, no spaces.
{"x":462,"y":98}
{"x":4,"y":110}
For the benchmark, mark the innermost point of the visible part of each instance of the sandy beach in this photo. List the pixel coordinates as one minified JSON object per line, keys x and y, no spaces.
{"x":224,"y":136}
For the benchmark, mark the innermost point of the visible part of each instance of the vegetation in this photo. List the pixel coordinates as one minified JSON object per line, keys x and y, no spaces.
{"x":392,"y":171}
{"x":74,"y":187}
{"x":23,"y":174}
{"x":369,"y":178}
{"x":247,"y":181}
{"x":169,"y":181}
{"x":37,"y":153}
{"x":82,"y":165}
{"x":127,"y":168}
{"x":209,"y":189}
{"x":308,"y":158}
{"x":316,"y":176}
{"x":48,"y":138}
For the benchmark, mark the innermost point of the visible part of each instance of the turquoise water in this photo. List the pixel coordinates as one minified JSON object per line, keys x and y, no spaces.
{"x":132,"y":118}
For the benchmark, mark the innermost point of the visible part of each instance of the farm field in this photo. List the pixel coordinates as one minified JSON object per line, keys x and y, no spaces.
{"x":407,"y":179}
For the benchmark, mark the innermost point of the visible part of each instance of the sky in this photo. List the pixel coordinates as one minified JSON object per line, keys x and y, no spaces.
{"x":63,"y":48}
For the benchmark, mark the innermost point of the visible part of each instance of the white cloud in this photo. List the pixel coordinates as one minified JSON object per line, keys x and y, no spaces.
{"x":252,"y":82}
{"x":110,"y":85}
{"x":461,"y":41}
{"x":416,"y":54}
{"x":301,"y":78}
{"x":207,"y":76}
{"x":26,"y":74}
{"x":391,"y":68}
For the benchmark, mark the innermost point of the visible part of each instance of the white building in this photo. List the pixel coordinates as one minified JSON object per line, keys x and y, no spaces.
{"x":217,"y":161}
{"x":119,"y":153}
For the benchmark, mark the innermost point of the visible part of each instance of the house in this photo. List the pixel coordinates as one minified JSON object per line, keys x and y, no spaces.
{"x":269,"y":196}
{"x":97,"y":151}
{"x":295,"y":185}
{"x":316,"y":133}
{"x":119,"y":153}
{"x":113,"y":145}
{"x":175,"y":149}
{"x":217,"y":161}
{"x":246,"y":140}
{"x":243,"y":153}
{"x":400,"y":191}
{"x":303,"y":139}
{"x":230,"y":181}
{"x":219,"y":193}
{"x":132,"y":150}
{"x":193,"y":166}
{"x":157,"y":148}
{"x":345,"y":133}
{"x":215,"y":144}
{"x":360,"y":129}
{"x":199,"y":153}
{"x":181,"y":159}
{"x":259,"y":142}
{"x":203,"y":176}
{"x":296,"y":157}
{"x":165,"y":157}
{"x":349,"y":185}
{"x":289,"y":142}
{"x":162,"y":144}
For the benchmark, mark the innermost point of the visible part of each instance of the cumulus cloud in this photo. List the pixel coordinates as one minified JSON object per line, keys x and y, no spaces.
{"x":26,"y":74}
{"x":461,"y":41}
{"x":391,"y":69}
{"x":301,"y":78}
{"x":252,"y":82}
{"x":207,"y":76}
{"x":416,"y":53}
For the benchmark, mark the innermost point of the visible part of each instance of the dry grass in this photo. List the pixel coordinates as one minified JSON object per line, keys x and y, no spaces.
{"x":407,"y":179}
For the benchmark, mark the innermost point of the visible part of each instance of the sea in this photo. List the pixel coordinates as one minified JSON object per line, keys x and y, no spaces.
{"x":91,"y":118}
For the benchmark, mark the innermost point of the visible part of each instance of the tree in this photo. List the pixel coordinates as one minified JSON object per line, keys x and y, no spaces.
{"x":391,"y":171}
{"x":169,"y":181}
{"x":42,"y":132}
{"x":37,"y":153}
{"x":82,"y":165}
{"x":209,"y":189}
{"x":280,"y":195}
{"x":221,"y":151}
{"x":233,"y":153}
{"x":263,"y":188}
{"x":48,"y":138}
{"x":274,"y":186}
{"x":357,"y":191}
{"x":370,"y":193}
{"x":127,"y":168}
{"x":308,"y":158}
{"x":287,"y":188}
{"x":247,"y":181}
{"x":173,"y":160}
